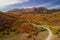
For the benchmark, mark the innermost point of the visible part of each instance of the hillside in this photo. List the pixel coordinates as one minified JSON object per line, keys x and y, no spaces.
{"x":15,"y":21}
{"x":34,"y":10}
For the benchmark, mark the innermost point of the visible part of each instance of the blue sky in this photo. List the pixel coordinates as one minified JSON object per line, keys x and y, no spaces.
{"x":6,"y":5}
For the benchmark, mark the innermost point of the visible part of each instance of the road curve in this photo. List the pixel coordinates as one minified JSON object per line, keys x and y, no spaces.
{"x":38,"y":26}
{"x":34,"y":25}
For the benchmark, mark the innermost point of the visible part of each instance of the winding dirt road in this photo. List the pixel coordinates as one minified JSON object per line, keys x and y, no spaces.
{"x":38,"y":26}
{"x":19,"y":37}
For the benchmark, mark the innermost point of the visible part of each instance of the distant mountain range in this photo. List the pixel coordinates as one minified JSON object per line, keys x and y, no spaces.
{"x":16,"y":17}
{"x":41,"y":10}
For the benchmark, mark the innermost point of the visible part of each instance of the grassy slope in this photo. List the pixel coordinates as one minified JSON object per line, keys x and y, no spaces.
{"x":20,"y":20}
{"x":47,"y":19}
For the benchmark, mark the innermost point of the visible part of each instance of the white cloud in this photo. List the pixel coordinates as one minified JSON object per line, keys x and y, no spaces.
{"x":4,"y":3}
{"x":43,"y":5}
{"x":48,"y":3}
{"x":54,"y":7}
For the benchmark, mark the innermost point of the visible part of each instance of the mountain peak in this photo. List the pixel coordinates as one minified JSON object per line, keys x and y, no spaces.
{"x":31,"y":10}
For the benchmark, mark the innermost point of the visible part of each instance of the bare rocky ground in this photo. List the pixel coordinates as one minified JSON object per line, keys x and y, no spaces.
{"x":40,"y":36}
{"x":24,"y":36}
{"x":55,"y":37}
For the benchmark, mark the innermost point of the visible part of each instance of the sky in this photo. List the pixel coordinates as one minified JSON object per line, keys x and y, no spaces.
{"x":6,"y":5}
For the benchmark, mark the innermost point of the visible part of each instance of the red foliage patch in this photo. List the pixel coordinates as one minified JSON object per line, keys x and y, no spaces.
{"x":26,"y":27}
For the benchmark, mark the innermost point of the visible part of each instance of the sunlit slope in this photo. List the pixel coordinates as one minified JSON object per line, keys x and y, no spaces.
{"x":46,"y":19}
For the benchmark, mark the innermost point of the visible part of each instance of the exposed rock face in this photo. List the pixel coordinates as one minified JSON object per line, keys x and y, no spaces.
{"x":31,"y":10}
